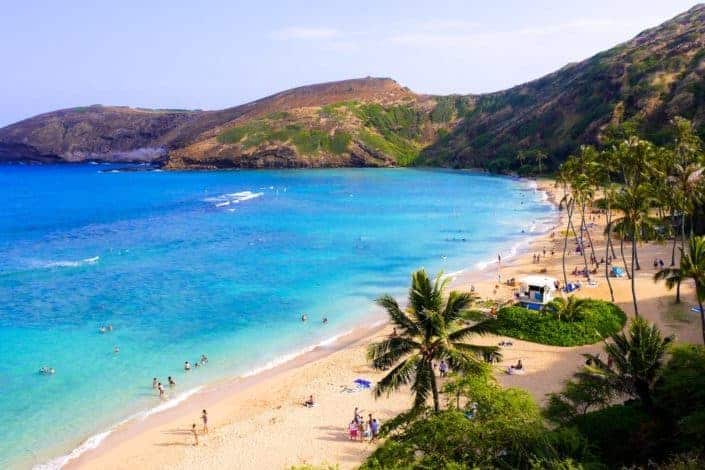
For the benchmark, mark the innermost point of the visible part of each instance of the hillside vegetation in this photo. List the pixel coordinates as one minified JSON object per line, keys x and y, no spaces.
{"x":639,"y":86}
{"x":634,"y":88}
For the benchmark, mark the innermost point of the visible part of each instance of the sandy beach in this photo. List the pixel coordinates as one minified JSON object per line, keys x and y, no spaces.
{"x":259,"y":422}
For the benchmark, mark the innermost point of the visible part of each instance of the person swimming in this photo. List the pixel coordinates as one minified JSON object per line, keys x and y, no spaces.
{"x":187,"y":366}
{"x":116,"y":350}
{"x":102,"y":330}
{"x":204,"y":359}
{"x":325,"y":320}
{"x":304,"y":317}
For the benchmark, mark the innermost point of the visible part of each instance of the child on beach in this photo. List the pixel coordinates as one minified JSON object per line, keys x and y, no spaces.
{"x":352,"y":430}
{"x":195,"y":434}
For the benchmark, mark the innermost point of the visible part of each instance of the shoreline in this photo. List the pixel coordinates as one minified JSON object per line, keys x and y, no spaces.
{"x":214,"y":393}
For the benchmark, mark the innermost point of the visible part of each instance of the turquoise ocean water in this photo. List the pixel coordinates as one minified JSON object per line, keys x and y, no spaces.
{"x":221,"y":263}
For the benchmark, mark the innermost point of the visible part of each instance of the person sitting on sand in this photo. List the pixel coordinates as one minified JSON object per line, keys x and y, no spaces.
{"x":516,"y":369}
{"x":195,"y":434}
{"x":310,"y":403}
{"x":187,"y":365}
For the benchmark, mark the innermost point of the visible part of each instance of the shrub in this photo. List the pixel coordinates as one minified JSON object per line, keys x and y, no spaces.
{"x":623,"y":434}
{"x":599,"y":320}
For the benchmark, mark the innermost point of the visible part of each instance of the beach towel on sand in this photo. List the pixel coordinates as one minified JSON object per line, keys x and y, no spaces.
{"x":362,"y":383}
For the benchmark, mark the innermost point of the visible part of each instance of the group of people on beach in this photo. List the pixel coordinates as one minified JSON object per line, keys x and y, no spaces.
{"x":361,"y":430}
{"x":159,"y":387}
{"x":194,"y":431}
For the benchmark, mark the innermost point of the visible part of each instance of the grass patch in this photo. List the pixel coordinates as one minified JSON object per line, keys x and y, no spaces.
{"x":306,"y":141}
{"x":599,"y":320}
{"x":402,"y":120}
{"x":403,"y":151}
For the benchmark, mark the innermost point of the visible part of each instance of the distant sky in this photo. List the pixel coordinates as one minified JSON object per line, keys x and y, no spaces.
{"x":214,"y":54}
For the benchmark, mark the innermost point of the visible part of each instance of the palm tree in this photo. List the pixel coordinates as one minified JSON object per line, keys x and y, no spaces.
{"x":540,"y":156}
{"x":692,"y":266}
{"x":637,"y":361}
{"x":567,"y":310}
{"x":428,"y":330}
{"x":521,"y":157}
{"x":635,"y":203}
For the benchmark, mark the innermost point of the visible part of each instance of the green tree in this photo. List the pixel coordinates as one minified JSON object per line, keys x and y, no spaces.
{"x":637,"y":361}
{"x":567,"y":310}
{"x":540,"y":157}
{"x":692,"y":266}
{"x":428,"y":330}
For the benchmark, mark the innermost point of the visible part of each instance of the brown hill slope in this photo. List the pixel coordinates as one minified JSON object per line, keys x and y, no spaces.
{"x":639,"y":86}
{"x":315,"y":125}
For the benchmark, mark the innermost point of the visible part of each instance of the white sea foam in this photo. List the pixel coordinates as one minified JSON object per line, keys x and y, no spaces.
{"x":95,"y":440}
{"x":293,"y":355}
{"x":70,"y":264}
{"x":232,"y":198}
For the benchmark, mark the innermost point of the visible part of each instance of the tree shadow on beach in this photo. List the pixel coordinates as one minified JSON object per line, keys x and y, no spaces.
{"x":182,"y":438}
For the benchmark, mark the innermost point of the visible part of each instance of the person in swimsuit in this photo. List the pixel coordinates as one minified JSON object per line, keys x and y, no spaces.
{"x":204,"y":418}
{"x":160,"y":387}
{"x":171,"y":382}
{"x":187,"y":365}
{"x":154,"y":382}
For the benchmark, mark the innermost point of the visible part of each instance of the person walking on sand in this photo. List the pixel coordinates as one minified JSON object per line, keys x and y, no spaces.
{"x":204,"y":418}
{"x":443,"y":368}
{"x":194,"y":432}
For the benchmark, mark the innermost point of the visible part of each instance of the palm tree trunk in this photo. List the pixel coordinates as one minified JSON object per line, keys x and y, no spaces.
{"x":565,"y":243}
{"x":702,"y":313}
{"x":434,"y":390}
{"x":634,"y":241}
{"x":636,"y":255}
{"x":592,"y":247}
{"x":678,"y":284}
{"x":675,"y":238}
{"x":624,"y":258}
{"x":702,"y":319}
{"x":582,"y":242}
{"x":607,"y":253}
